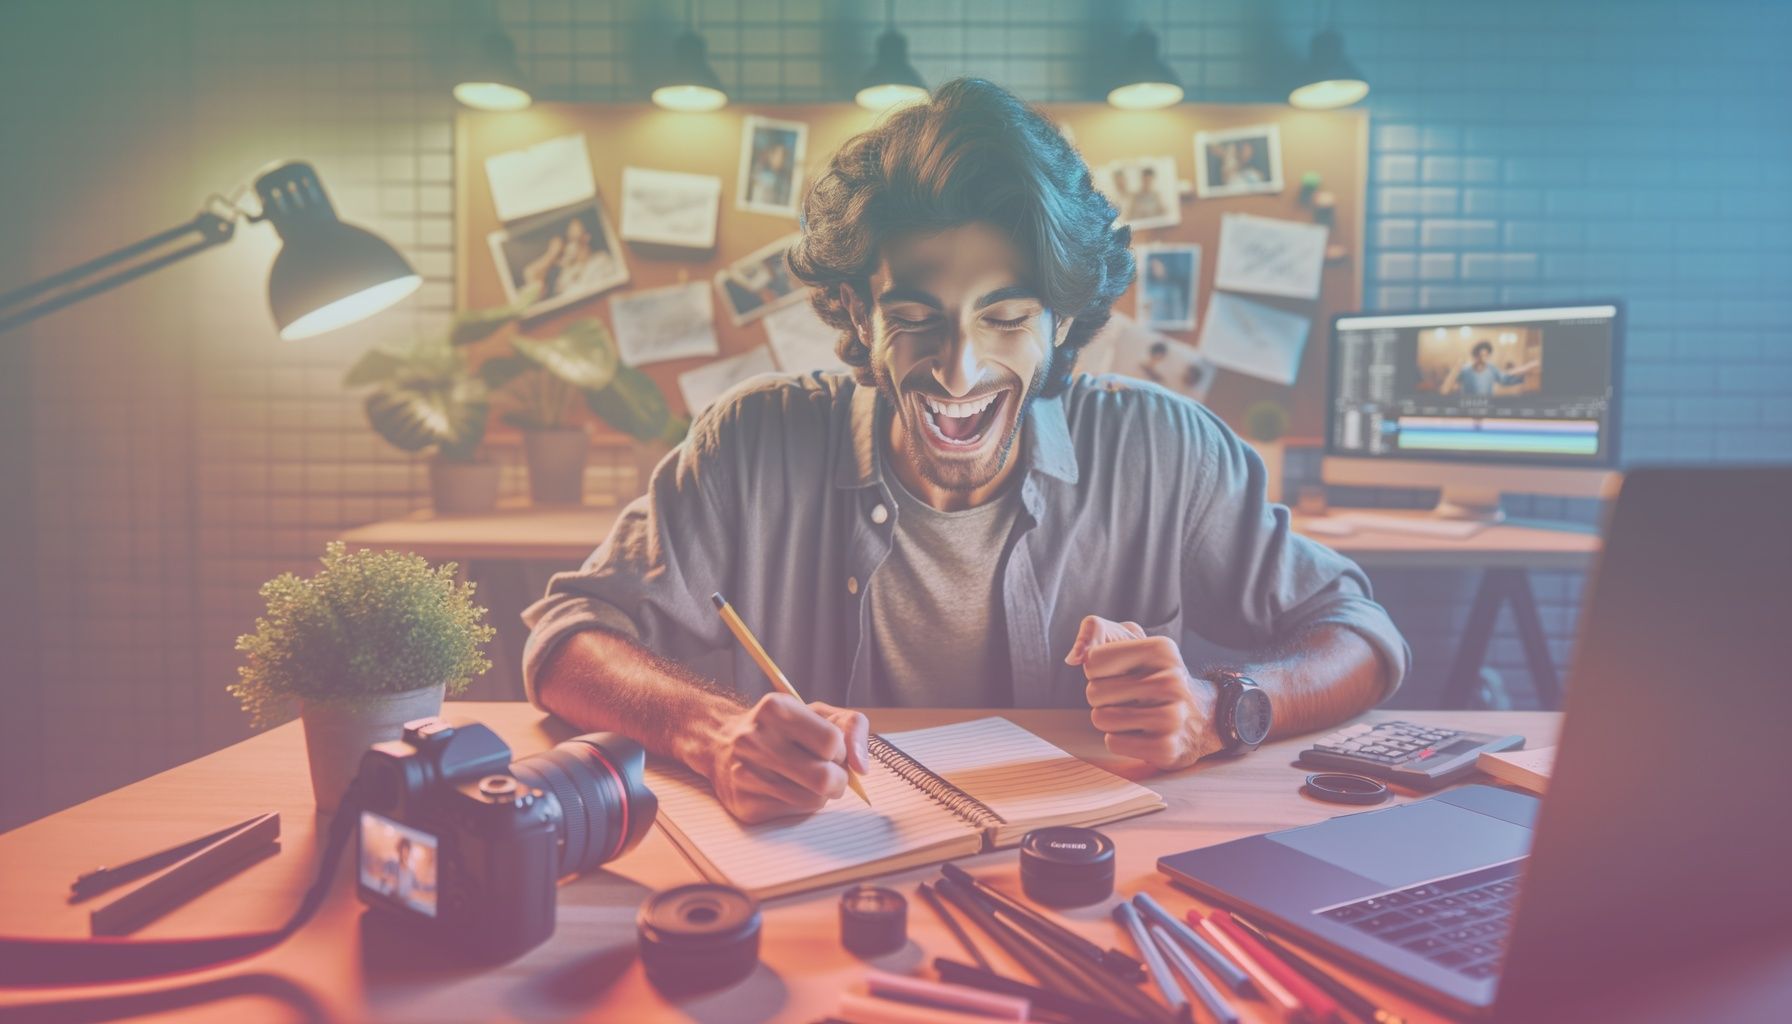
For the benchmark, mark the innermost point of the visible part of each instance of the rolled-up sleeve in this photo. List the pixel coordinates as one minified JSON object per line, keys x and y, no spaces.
{"x":652,"y":578}
{"x":1250,"y":580}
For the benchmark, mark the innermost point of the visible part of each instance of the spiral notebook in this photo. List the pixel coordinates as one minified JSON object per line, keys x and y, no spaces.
{"x":936,"y":794}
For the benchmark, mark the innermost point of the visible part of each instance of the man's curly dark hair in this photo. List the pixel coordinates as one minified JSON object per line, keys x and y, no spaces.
{"x":974,"y":153}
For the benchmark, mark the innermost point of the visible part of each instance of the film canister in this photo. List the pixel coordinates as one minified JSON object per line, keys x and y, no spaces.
{"x":698,"y":937}
{"x":1067,"y":866}
{"x":873,"y":920}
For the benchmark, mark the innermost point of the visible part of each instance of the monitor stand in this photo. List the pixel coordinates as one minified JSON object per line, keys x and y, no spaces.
{"x":1471,"y":504}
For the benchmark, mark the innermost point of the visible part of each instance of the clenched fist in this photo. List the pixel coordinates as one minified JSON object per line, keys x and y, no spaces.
{"x":1142,"y":696}
{"x":781,"y":757}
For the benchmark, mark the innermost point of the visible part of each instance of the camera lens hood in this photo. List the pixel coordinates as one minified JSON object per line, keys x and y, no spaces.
{"x":696,"y":938}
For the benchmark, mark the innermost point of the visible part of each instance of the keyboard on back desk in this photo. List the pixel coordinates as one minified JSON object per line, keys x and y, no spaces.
{"x":1460,"y":922}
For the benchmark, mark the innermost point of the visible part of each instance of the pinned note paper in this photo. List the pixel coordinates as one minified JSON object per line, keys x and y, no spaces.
{"x":545,"y":176}
{"x":1249,"y":337}
{"x":673,"y":322}
{"x":705,"y":384}
{"x":801,"y":340}
{"x":1269,"y":256}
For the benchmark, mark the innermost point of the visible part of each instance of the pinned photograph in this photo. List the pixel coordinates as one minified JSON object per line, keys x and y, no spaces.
{"x":545,"y":176}
{"x":674,"y":322}
{"x":1141,"y":352}
{"x":669,"y":208}
{"x":760,"y":282}
{"x":1169,"y":280}
{"x":1144,"y":190}
{"x":569,"y":254}
{"x":1238,"y":161}
{"x":771,"y":166}
{"x":702,"y":386}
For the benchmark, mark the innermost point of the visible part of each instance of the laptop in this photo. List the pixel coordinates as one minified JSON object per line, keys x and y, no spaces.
{"x":1666,"y":832}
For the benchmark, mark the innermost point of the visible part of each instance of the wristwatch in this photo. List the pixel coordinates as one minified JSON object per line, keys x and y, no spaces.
{"x":1243,"y":712}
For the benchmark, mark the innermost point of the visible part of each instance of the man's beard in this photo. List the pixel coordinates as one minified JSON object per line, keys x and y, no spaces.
{"x":955,"y":475}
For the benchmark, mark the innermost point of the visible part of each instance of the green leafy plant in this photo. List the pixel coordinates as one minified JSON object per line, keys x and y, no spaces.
{"x":367,"y":623}
{"x":1265,"y":421}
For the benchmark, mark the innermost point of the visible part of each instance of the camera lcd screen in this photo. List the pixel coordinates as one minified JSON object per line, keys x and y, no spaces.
{"x":398,"y":862}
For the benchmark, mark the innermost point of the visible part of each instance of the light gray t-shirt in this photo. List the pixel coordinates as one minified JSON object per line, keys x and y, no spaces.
{"x":937,"y":636}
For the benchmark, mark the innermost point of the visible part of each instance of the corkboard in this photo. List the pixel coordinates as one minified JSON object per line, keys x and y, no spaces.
{"x":1332,"y":143}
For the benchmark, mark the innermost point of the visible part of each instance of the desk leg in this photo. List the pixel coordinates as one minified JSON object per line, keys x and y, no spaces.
{"x":1497,"y":587}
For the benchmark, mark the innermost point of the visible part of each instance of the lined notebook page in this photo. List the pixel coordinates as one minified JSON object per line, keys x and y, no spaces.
{"x":1029,"y":782}
{"x":840,"y":842}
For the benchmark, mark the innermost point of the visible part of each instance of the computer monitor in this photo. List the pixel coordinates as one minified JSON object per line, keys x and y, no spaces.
{"x":1476,"y":402}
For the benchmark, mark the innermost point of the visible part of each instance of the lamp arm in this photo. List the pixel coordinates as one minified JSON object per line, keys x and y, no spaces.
{"x":212,"y":229}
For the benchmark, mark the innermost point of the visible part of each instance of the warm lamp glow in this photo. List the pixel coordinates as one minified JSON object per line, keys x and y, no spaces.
{"x":891,"y":94}
{"x":689,"y":99}
{"x":491,"y":96}
{"x":347,"y":310}
{"x":1330,"y":94}
{"x":1146,"y":95}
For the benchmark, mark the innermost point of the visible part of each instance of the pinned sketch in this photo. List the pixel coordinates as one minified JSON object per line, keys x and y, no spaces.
{"x":545,"y":176}
{"x":801,"y":340}
{"x":1247,"y":336}
{"x":565,"y":255}
{"x":674,"y":322}
{"x":1270,"y":256}
{"x":705,"y":384}
{"x":1238,"y":161}
{"x":1144,"y":190}
{"x":760,"y":282}
{"x":1169,"y":280}
{"x":669,"y":208}
{"x":771,"y":165}
{"x":1135,"y":350}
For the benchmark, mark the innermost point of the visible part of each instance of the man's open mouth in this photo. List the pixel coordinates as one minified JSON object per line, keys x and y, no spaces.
{"x":961,"y":424}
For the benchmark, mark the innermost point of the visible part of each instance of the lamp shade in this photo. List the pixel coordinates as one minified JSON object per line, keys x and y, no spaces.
{"x":328,"y":274}
{"x":1328,"y":79}
{"x":1145,"y":82}
{"x":892,"y":80}
{"x":690,"y":84}
{"x":491,"y":78}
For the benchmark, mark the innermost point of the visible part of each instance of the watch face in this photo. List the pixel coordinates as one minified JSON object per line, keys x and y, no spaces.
{"x":1250,"y":716}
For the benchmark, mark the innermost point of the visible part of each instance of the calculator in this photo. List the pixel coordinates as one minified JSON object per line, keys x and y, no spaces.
{"x":1417,"y":756}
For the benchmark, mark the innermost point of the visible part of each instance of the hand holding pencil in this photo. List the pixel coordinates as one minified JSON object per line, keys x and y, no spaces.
{"x":782,"y":756}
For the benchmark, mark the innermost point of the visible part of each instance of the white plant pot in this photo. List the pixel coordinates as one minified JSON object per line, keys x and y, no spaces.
{"x":1271,"y":454}
{"x":463,"y":488}
{"x":337,"y":733}
{"x":556,"y":465}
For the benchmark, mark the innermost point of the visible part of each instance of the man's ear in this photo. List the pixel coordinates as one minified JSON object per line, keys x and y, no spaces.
{"x":1061,"y":330}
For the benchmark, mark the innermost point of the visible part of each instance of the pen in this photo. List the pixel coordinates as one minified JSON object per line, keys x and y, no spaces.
{"x":101,"y":879}
{"x":772,"y":672}
{"x":1112,"y":960}
{"x":1197,"y":982}
{"x":1319,"y":1005}
{"x":932,"y":899}
{"x":1154,"y":961}
{"x":1352,"y":1000}
{"x":1044,"y":1001}
{"x":1287,"y":1007}
{"x":1230,"y":975}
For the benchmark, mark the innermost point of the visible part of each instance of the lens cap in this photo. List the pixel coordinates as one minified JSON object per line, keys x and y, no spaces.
{"x":698,"y":937}
{"x":873,"y":920}
{"x":1344,"y":788}
{"x":1067,"y":866}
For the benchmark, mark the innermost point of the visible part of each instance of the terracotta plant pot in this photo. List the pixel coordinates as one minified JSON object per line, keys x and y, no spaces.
{"x":556,"y":465}
{"x":1271,"y":454}
{"x":337,"y":733}
{"x":463,"y":488}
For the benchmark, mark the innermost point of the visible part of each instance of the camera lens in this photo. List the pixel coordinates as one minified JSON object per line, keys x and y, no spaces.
{"x":605,"y":807}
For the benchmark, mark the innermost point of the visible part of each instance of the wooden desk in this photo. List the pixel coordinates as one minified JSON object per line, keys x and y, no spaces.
{"x":517,"y":531}
{"x":587,"y":970}
{"x":1505,"y":554}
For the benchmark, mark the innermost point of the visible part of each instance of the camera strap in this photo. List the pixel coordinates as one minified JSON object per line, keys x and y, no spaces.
{"x":28,"y":962}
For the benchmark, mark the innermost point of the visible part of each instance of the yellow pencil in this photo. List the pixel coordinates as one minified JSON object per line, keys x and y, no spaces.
{"x":772,"y":672}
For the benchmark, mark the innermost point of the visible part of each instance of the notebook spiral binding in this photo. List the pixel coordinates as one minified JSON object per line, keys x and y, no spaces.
{"x":944,"y":793}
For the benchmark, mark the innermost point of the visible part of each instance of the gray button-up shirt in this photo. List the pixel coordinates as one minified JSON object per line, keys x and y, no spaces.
{"x":1136,"y":504}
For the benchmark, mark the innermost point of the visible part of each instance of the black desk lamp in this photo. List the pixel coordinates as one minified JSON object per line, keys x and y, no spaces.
{"x":327,"y":274}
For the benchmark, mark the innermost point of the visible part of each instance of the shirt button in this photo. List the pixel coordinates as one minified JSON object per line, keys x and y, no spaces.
{"x":852,"y":584}
{"x":879,"y":514}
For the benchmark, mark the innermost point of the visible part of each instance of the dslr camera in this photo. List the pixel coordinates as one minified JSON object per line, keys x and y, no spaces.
{"x":456,"y":837}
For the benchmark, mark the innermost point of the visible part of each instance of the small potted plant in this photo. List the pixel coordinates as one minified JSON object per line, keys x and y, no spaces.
{"x":372,"y":641}
{"x":1266,"y":423}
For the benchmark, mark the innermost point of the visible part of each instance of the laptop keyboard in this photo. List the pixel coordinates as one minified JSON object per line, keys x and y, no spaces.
{"x":1460,"y":923}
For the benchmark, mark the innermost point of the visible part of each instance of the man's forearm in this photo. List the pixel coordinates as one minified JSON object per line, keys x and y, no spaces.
{"x":1324,"y":676}
{"x":598,"y":679}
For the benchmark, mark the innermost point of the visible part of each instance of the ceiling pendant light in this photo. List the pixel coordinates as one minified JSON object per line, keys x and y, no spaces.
{"x":690,"y":85}
{"x":486,"y":74}
{"x":1145,"y":82}
{"x":892,"y":81}
{"x":1328,"y":80}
